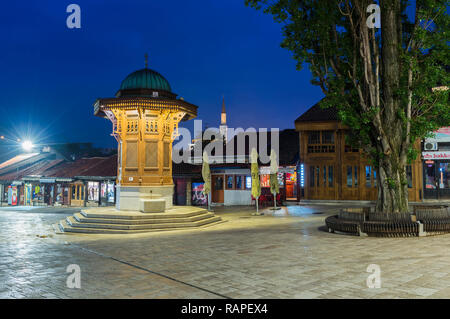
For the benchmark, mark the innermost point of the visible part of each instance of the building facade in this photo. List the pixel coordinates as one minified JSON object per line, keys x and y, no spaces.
{"x":44,"y":179}
{"x":436,"y":165}
{"x":231,"y":176}
{"x":333,"y":170}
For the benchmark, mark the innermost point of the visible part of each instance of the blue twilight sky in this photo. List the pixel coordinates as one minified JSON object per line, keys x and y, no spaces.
{"x":51,"y":75}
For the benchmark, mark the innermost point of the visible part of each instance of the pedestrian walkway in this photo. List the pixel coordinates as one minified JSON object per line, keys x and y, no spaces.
{"x":282,"y":254}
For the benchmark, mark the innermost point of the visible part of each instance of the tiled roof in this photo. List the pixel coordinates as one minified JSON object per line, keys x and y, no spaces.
{"x":94,"y":166}
{"x":17,"y":159}
{"x":35,"y":169}
{"x":43,"y":165}
{"x":318,"y":114}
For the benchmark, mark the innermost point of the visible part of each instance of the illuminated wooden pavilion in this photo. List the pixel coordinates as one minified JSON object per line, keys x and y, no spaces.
{"x":145,"y":114}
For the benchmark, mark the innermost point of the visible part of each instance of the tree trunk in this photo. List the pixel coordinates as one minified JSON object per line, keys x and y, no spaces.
{"x":392,"y":186}
{"x":392,"y":182}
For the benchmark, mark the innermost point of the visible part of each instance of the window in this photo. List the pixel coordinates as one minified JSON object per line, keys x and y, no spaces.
{"x":356,"y":176}
{"x":374,"y":178}
{"x":318,"y":175}
{"x":368,"y":176}
{"x":327,"y":137}
{"x":238,"y":182}
{"x":324,"y":176}
{"x":73,"y":192}
{"x":93,"y":191}
{"x":218,"y":183}
{"x":230,"y":182}
{"x":248,"y":182}
{"x":349,"y":149}
{"x":110,"y":192}
{"x":103,"y":190}
{"x":321,"y":142}
{"x":281,"y":179}
{"x":311,"y":176}
{"x":330,"y":176}
{"x":314,"y":137}
{"x":265,"y":180}
{"x":349,"y":176}
{"x":409,"y":176}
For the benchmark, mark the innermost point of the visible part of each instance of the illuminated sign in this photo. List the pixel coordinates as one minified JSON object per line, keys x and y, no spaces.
{"x":248,"y":182}
{"x":436,"y":155}
{"x":302,"y":175}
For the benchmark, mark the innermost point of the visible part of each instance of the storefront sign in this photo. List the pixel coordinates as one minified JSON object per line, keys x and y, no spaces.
{"x":47,"y":180}
{"x":441,"y":135}
{"x":436,"y":155}
{"x":266,"y":170}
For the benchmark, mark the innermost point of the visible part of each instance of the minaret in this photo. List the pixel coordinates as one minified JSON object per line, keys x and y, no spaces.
{"x":223,"y":122}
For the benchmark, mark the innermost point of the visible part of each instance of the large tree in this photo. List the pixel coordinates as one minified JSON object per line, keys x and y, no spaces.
{"x":380,"y":79}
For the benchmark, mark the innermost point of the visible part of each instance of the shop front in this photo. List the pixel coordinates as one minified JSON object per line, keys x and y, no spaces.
{"x":62,"y":196}
{"x":13,"y":195}
{"x":436,"y":165}
{"x":78,"y":191}
{"x":108,"y":193}
{"x":93,"y":193}
{"x":2,"y":194}
{"x":231,"y":186}
{"x":436,"y":174}
{"x":287,"y":179}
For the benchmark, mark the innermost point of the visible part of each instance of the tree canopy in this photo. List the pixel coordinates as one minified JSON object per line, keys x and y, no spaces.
{"x":381,"y":80}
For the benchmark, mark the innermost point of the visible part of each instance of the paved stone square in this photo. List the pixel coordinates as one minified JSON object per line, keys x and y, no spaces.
{"x":285,"y":254}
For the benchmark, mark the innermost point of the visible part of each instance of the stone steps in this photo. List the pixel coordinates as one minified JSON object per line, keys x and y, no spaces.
{"x":162,"y":220}
{"x":104,"y":221}
{"x":65,"y":228}
{"x":173,"y":213}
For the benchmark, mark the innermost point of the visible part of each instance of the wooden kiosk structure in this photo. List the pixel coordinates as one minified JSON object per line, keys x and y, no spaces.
{"x":145,"y":114}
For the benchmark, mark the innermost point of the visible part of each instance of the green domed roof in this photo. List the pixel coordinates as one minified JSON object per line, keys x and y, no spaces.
{"x":145,"y":79}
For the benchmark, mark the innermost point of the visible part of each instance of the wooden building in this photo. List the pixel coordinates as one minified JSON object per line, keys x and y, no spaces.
{"x":43,"y":179}
{"x":145,"y":114}
{"x":336,"y":171}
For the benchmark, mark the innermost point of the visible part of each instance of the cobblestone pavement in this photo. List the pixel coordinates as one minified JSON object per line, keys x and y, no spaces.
{"x":280,"y":255}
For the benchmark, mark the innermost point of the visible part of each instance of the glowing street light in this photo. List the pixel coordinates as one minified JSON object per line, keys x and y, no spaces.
{"x":27,"y":146}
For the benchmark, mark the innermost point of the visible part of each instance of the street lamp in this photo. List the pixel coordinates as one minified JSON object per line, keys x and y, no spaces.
{"x":27,"y":146}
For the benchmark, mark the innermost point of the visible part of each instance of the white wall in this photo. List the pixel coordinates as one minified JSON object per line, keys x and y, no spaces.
{"x":237,"y":197}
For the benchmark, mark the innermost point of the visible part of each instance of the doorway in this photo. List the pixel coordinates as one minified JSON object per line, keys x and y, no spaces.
{"x":217,"y":188}
{"x":78,"y":193}
{"x":436,"y":179}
